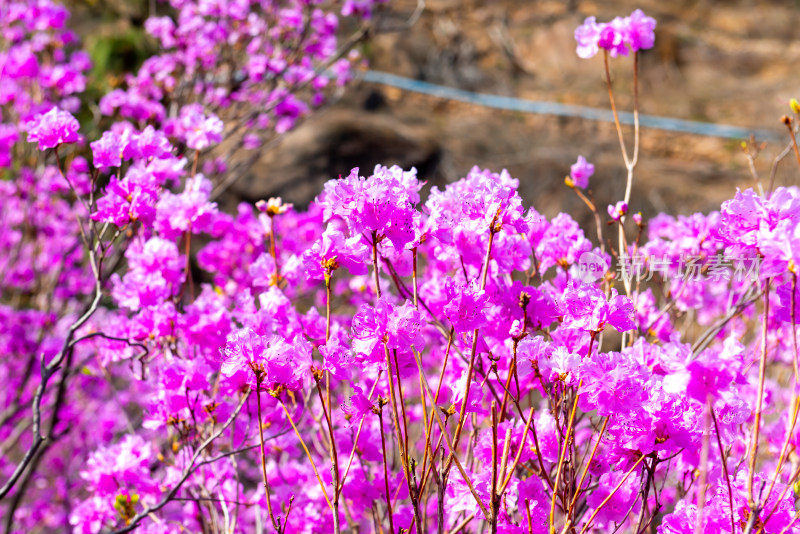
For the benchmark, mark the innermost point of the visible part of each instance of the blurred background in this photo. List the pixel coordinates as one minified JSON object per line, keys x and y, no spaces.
{"x":730,"y":62}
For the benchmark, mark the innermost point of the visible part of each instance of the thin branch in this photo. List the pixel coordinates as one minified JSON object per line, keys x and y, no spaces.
{"x":450,"y":445}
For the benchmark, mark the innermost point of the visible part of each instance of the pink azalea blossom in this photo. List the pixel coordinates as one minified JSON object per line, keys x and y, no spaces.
{"x":283,"y":362}
{"x":53,"y":128}
{"x":618,"y":210}
{"x":581,"y":171}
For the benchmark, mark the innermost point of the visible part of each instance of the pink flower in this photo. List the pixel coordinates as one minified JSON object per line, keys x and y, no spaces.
{"x":382,"y":204}
{"x":334,"y":250}
{"x":8,"y":137}
{"x":587,"y":35}
{"x":618,"y":37}
{"x":273,"y":206}
{"x":359,"y":407}
{"x":362,"y":8}
{"x":337,"y":356}
{"x":199,"y":130}
{"x":263,"y":271}
{"x":107,"y":150}
{"x":251,"y":141}
{"x":560,"y":242}
{"x":709,"y":373}
{"x":784,"y":308}
{"x":155,"y":273}
{"x":131,"y":199}
{"x":682,"y":520}
{"x":561,"y":365}
{"x":516,"y":329}
{"x":21,"y":62}
{"x":589,"y":310}
{"x":283,"y":363}
{"x":532,"y":496}
{"x":770,"y":226}
{"x":614,"y":37}
{"x":190,"y":211}
{"x":465,"y":305}
{"x":581,"y":171}
{"x":618,"y":210}
{"x":148,"y":144}
{"x":397,"y":326}
{"x":641,"y":28}
{"x":612,"y":383}
{"x":53,"y":128}
{"x":162,"y":28}
{"x":120,"y":468}
{"x":620,"y":503}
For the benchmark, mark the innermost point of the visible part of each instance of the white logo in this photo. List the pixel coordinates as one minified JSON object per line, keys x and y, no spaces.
{"x":591,"y":267}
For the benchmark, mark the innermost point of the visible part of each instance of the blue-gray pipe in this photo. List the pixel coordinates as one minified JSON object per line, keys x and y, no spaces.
{"x":564,"y":110}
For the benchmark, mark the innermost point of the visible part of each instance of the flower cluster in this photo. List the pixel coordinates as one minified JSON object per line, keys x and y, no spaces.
{"x":618,"y":37}
{"x":388,"y":357}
